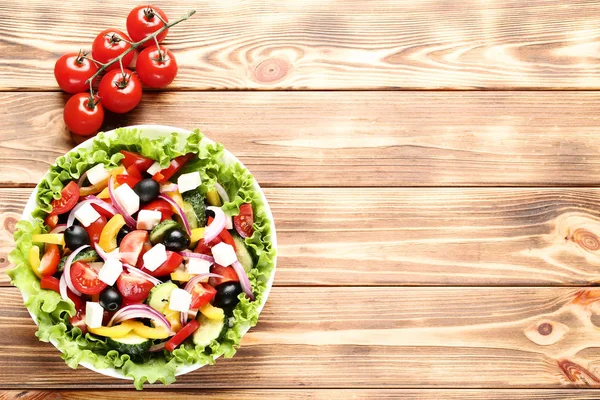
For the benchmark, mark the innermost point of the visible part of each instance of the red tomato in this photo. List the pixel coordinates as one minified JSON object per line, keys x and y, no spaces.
{"x":202,"y":294}
{"x":109,"y":44}
{"x":85,"y":278}
{"x":160,"y":205}
{"x":174,"y":260}
{"x":78,"y":320}
{"x":50,"y":283}
{"x":79,"y":304}
{"x":132,"y":245}
{"x":203,"y":248}
{"x":68,"y":198}
{"x":155,"y":68}
{"x":126,"y":302}
{"x":143,"y":21}
{"x":83,"y":114}
{"x":176,"y":165}
{"x":133,"y":287}
{"x":134,"y":172}
{"x":183,"y":334}
{"x":142,"y":163}
{"x":228,"y":275}
{"x":145,"y":248}
{"x":120,"y":93}
{"x":127,"y":179}
{"x":244,"y":221}
{"x":227,"y":238}
{"x":51,"y":221}
{"x":95,"y":229}
{"x":72,"y":70}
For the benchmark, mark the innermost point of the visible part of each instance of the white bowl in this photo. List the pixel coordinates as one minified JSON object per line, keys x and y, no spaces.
{"x":154,"y":131}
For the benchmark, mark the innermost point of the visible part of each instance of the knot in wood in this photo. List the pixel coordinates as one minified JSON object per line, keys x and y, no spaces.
{"x":9,"y":223}
{"x":586,"y":239}
{"x":545,"y":329}
{"x":271,"y":70}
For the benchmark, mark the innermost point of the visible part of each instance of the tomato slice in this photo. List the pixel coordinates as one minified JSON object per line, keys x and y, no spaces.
{"x":183,"y":334}
{"x":50,"y":283}
{"x":142,"y":163}
{"x":131,"y":181}
{"x":227,"y":238}
{"x":49,"y":261}
{"x":95,"y":229}
{"x":202,"y":248}
{"x":134,"y":172}
{"x":68,"y":198}
{"x":131,"y":246}
{"x":228,"y":275}
{"x":78,"y":320}
{"x":175,"y":166}
{"x":134,"y":288}
{"x":160,"y":205}
{"x":51,"y":221}
{"x":202,"y":294}
{"x":85,"y":278}
{"x":244,"y":220}
{"x":145,"y":248}
{"x":174,"y":260}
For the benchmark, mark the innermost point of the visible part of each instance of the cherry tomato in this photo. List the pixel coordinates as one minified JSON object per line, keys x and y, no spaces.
{"x":228,"y":275}
{"x":142,"y":21}
{"x":49,"y":262}
{"x":110,"y":43}
{"x":51,"y":221}
{"x":134,"y":288}
{"x":50,"y":283}
{"x":174,"y":260}
{"x":95,"y":229}
{"x":160,"y":205}
{"x":72,"y":70}
{"x":183,"y":334}
{"x":142,"y":163}
{"x":244,"y":221}
{"x":175,"y":166}
{"x":129,"y":180}
{"x":132,"y":245}
{"x":85,"y":278}
{"x":156,"y":69}
{"x":83,"y":114}
{"x":120,"y":93}
{"x":202,"y":294}
{"x":68,"y":198}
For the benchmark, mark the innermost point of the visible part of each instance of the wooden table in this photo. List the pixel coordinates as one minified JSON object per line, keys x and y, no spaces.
{"x":431,"y":166}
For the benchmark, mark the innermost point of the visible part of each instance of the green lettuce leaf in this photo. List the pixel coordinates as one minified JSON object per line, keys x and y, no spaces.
{"x":53,"y":312}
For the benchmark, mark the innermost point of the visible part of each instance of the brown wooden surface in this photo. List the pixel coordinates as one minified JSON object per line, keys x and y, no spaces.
{"x":425,"y":236}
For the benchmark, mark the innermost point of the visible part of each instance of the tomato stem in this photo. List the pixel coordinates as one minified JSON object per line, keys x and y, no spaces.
{"x":137,"y":44}
{"x":161,"y":56}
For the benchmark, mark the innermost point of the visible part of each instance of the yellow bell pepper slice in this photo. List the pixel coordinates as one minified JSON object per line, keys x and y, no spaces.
{"x":180,"y":276}
{"x":173,"y":318}
{"x":196,"y":235}
{"x":212,"y":312}
{"x":148,"y":332}
{"x":51,"y":238}
{"x":108,"y":237}
{"x":34,"y":259}
{"x":104,"y":193}
{"x":177,"y":197}
{"x":213,"y":198}
{"x":116,"y":331}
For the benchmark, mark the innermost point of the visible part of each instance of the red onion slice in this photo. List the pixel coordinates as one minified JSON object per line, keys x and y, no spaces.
{"x":244,"y":281}
{"x":140,"y":311}
{"x":205,"y":257}
{"x":135,"y":271}
{"x":103,"y":255}
{"x":67,"y":270}
{"x":59,"y":228}
{"x":157,"y":347}
{"x":82,"y":179}
{"x":62,"y":287}
{"x":168,"y":187}
{"x":174,"y":204}
{"x":102,"y":204}
{"x":184,"y":316}
{"x":111,"y":192}
{"x":218,"y":224}
{"x":199,"y":278}
{"x":222,"y":192}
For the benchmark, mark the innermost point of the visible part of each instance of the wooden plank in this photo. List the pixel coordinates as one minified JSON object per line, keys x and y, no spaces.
{"x":490,"y":236}
{"x":333,"y":44}
{"x":315,"y":394}
{"x":367,"y":338}
{"x":350,"y":138}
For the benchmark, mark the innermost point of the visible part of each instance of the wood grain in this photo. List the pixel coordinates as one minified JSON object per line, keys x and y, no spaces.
{"x":367,"y":338}
{"x":332,"y":44}
{"x":348,"y":138}
{"x":315,"y":394}
{"x":360,"y":237}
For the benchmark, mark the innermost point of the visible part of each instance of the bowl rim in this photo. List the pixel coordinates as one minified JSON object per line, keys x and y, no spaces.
{"x":156,"y":130}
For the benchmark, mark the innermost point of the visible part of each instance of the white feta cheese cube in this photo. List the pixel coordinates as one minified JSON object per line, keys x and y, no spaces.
{"x":190,"y":181}
{"x":180,"y":300}
{"x":224,"y":254}
{"x":93,"y":314}
{"x":154,"y":168}
{"x":86,"y":214}
{"x":197,"y":266}
{"x":97,"y":174}
{"x":148,"y":219}
{"x":114,"y":254}
{"x":228,"y":222}
{"x":110,"y":271}
{"x":155,"y":257}
{"x":127,"y":198}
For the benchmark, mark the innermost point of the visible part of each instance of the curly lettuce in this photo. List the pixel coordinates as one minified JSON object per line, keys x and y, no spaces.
{"x":53,"y":312}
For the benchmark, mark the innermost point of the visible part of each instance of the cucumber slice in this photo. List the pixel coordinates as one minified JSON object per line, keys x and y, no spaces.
{"x":190,"y":214}
{"x":242,"y":253}
{"x":87,"y":255}
{"x":209,"y":330}
{"x":159,"y":296}
{"x":131,"y":344}
{"x":158,"y":233}
{"x":197,"y":202}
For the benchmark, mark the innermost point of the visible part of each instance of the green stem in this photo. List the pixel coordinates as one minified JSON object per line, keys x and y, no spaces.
{"x":137,"y":44}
